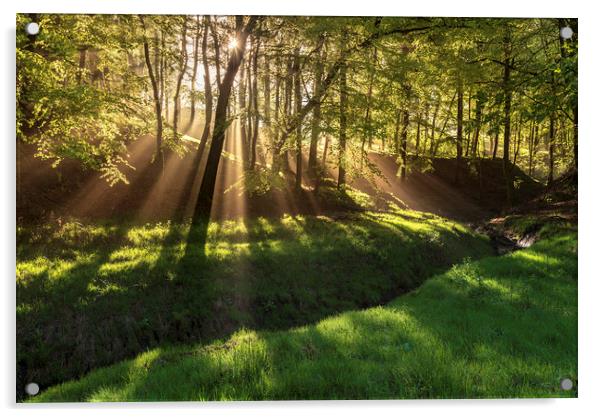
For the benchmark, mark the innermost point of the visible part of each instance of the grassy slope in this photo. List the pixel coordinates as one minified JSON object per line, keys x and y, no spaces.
{"x":92,"y":295}
{"x":497,"y":327}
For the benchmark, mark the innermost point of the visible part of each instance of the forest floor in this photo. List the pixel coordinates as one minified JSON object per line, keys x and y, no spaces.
{"x":499,"y":327}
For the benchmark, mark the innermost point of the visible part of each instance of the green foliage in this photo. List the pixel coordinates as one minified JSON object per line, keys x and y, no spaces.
{"x":87,"y":113}
{"x":467,"y":333}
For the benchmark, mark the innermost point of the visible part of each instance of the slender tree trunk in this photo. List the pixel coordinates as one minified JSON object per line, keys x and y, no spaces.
{"x":404,"y":143}
{"x":176,"y":99}
{"x":552,"y":144}
{"x":434,"y":121}
{"x":82,"y":64}
{"x":299,"y":148}
{"x":218,"y":62}
{"x":203,"y":205}
{"x":418,"y":126}
{"x":276,"y":133}
{"x":255,"y":107}
{"x":195,"y":65}
{"x":159,"y":136}
{"x":475,"y":141}
{"x":207,"y":88}
{"x":397,"y":127}
{"x":531,"y":147}
{"x":459,"y":139}
{"x":317,"y":113}
{"x":342,"y":127}
{"x":507,"y":126}
{"x":367,"y":128}
{"x":518,"y":140}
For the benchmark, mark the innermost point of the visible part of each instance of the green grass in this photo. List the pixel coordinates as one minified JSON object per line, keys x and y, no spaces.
{"x":92,"y":295}
{"x":496,"y":327}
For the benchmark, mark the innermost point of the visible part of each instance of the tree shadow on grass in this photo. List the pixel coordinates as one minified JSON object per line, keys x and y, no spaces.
{"x":175,"y":285}
{"x":462,"y":335}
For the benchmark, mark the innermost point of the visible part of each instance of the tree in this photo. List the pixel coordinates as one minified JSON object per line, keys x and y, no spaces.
{"x":204,"y":202}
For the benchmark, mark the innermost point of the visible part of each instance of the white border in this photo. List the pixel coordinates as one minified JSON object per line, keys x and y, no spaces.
{"x":590,"y":151}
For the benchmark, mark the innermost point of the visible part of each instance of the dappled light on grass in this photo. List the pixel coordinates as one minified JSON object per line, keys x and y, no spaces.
{"x":484,"y":328}
{"x":120,"y":289}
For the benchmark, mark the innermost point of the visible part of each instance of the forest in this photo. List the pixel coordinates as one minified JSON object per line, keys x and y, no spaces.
{"x":296,"y":207}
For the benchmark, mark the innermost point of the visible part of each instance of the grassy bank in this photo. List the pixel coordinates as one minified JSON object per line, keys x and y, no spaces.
{"x":92,"y":295}
{"x":497,"y":327}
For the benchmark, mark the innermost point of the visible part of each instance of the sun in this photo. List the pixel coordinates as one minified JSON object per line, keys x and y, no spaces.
{"x":233,"y":44}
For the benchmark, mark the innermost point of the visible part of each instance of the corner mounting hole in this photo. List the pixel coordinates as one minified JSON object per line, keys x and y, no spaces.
{"x":32,"y":28}
{"x":566,"y":384}
{"x":32,"y":388}
{"x":566,"y":33}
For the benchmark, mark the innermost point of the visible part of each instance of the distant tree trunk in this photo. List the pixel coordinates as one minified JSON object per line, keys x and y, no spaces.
{"x":552,"y":144}
{"x":532,"y":136}
{"x":218,"y":65}
{"x":267,"y":89}
{"x":404,"y":143}
{"x":342,"y":126}
{"x":158,"y":111}
{"x":208,"y":92}
{"x":518,"y":140}
{"x":276,"y":133}
{"x":317,"y":113}
{"x":288,"y":96}
{"x":203,"y":205}
{"x":475,"y":141}
{"x":507,"y":107}
{"x":255,"y":107}
{"x":162,"y":69}
{"x":299,"y":169}
{"x":242,"y":103}
{"x":195,"y":65}
{"x":397,"y":127}
{"x":445,"y":122}
{"x":367,"y":129}
{"x":82,"y":64}
{"x":435,"y":114}
{"x":459,"y":139}
{"x":176,"y":99}
{"x":495,"y":144}
{"x":418,"y":125}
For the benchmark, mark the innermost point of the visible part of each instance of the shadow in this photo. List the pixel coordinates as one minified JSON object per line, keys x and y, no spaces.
{"x":458,"y":336}
{"x":110,"y":297}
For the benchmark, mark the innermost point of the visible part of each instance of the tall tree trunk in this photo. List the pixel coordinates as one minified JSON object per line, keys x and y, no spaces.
{"x":433,"y":124}
{"x":507,"y":126}
{"x":459,"y":118}
{"x":317,"y":112}
{"x":552,"y":144}
{"x":531,"y":147}
{"x":418,"y":125}
{"x":183,"y":65}
{"x":404,"y":143}
{"x":242,"y":103}
{"x":267,"y":89}
{"x":207,"y":88}
{"x":195,"y":65}
{"x":218,"y":62}
{"x":299,"y":148}
{"x":518,"y":139}
{"x":342,"y":127}
{"x":158,"y":112}
{"x":475,"y":141}
{"x":397,"y":127}
{"x":255,"y":107}
{"x":367,"y":128}
{"x":203,"y":205}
